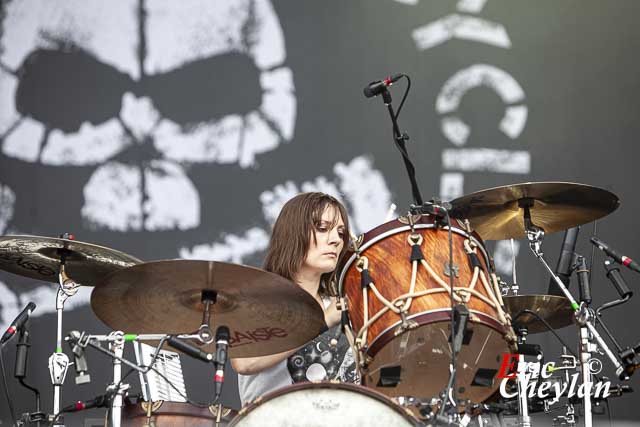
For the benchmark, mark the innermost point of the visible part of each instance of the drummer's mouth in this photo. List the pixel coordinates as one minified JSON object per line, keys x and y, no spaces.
{"x":333,"y":254}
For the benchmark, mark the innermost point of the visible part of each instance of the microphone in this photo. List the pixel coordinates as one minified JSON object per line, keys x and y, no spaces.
{"x":189,"y":349}
{"x":613,"y":274}
{"x":22,"y":353}
{"x":18,"y":322}
{"x":102,"y":401}
{"x":222,"y":344}
{"x":619,"y":258}
{"x":379,"y":86}
{"x":565,"y":261}
{"x":583,"y":279}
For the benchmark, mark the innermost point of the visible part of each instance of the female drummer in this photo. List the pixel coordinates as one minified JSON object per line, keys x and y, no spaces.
{"x":308,"y":238}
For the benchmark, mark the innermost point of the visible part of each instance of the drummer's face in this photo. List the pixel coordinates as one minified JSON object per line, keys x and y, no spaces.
{"x":325,"y":249}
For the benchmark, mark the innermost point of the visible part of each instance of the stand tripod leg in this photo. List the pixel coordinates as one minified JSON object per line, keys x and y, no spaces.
{"x":585,"y":357}
{"x":117,"y":347}
{"x":58,"y":361}
{"x":587,"y":330}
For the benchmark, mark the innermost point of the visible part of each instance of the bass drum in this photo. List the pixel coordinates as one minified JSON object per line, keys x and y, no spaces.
{"x":321,"y":405}
{"x":172,"y":414}
{"x":397,"y":283}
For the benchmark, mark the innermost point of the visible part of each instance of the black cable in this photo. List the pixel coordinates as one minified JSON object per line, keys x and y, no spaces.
{"x":6,"y":389}
{"x":399,"y":139}
{"x":191,"y":402}
{"x":35,"y":391}
{"x":593,"y":247}
{"x":450,"y":386}
{"x":606,"y":401}
{"x":404,"y":97}
{"x":547,"y":325}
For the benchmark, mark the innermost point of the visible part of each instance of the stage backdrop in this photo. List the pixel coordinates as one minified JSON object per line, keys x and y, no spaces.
{"x":172,"y":129}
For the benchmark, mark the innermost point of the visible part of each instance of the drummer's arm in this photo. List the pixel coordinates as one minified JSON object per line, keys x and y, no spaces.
{"x":254,"y":365}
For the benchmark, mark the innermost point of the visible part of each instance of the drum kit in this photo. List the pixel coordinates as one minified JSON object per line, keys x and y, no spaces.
{"x":427,"y":317}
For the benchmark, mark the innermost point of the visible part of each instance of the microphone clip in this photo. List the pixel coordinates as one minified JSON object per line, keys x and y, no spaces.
{"x":435,"y":208}
{"x":78,"y":345}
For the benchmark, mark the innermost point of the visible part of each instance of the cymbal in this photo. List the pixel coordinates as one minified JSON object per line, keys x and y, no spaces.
{"x":39,"y":258}
{"x":265,"y":313}
{"x":556,"y":310}
{"x":496,"y":213}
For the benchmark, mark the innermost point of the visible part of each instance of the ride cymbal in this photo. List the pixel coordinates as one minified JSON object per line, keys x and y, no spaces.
{"x":265,"y":312}
{"x":498,"y":213}
{"x":39,"y":258}
{"x":555,"y":310}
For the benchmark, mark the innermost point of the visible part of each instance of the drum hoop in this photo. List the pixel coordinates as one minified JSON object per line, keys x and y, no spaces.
{"x":167,"y":408}
{"x":401,"y":229}
{"x":431,"y":316}
{"x":325,"y":385}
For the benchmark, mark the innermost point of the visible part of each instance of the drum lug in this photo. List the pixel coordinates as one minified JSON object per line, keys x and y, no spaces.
{"x":406,"y":325}
{"x":365,"y":359}
{"x":213,"y":409}
{"x":341,"y":304}
{"x":409,"y":219}
{"x":356,"y":242}
{"x":149,"y":408}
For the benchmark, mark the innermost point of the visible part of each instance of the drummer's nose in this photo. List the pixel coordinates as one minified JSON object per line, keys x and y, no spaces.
{"x":334,"y":237}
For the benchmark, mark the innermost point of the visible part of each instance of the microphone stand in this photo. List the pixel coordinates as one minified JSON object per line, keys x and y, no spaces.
{"x":400,"y":139}
{"x":583,"y":316}
{"x":458,"y":315}
{"x":20,"y":372}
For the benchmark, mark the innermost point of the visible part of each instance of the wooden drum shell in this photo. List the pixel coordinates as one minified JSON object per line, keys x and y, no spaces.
{"x":389,"y":265}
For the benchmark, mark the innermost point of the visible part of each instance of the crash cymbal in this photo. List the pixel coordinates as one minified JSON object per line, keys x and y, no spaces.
{"x":265,"y":312}
{"x":498,"y":213}
{"x":556,"y":310}
{"x":39,"y":258}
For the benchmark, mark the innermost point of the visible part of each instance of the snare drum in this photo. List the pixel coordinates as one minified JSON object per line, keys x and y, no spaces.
{"x":397,"y":283}
{"x":321,"y":405}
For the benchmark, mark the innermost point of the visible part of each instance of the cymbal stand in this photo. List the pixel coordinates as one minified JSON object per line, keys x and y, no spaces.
{"x":524,"y":420}
{"x":116,"y":341}
{"x":117,"y":388}
{"x":583,"y":316}
{"x":569,"y":363}
{"x":208,"y":298}
{"x":59,"y":361}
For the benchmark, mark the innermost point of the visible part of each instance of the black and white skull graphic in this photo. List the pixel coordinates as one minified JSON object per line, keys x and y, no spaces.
{"x":141,"y":90}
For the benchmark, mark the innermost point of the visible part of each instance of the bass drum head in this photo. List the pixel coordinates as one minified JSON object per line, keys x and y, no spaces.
{"x":321,"y":405}
{"x":416,"y":363}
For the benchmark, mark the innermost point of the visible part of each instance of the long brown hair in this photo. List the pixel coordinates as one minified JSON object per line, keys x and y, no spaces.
{"x":291,"y":236}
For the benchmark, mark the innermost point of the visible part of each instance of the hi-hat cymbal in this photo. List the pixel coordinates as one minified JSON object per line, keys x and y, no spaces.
{"x":39,"y":258}
{"x":265,"y":313}
{"x":498,"y":213}
{"x":556,"y":310}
